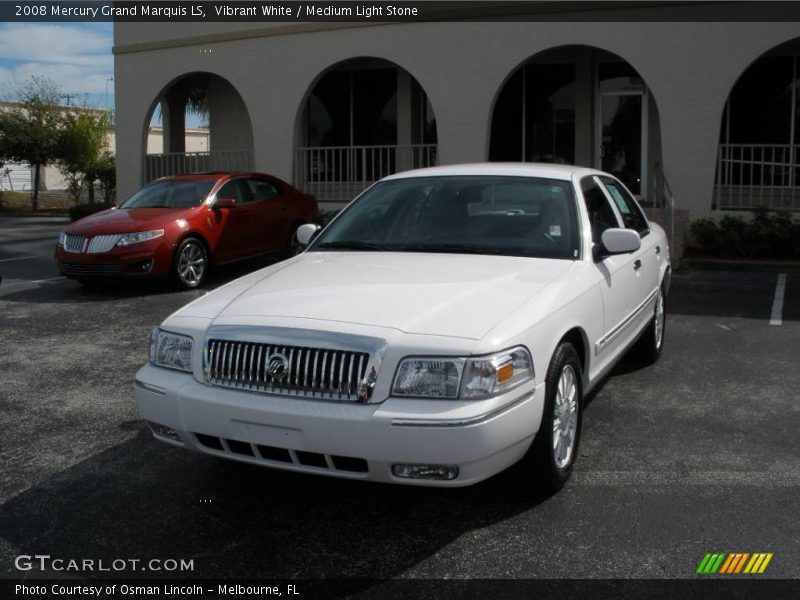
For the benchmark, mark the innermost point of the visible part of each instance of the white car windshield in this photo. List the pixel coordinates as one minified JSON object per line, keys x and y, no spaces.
{"x":513,"y":216}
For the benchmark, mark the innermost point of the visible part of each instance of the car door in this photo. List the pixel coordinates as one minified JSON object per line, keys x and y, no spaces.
{"x":617,"y":274}
{"x":237,"y":229}
{"x":270,"y":214}
{"x":651,"y":254}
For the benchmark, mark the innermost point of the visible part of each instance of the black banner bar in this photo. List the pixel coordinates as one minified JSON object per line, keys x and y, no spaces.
{"x":398,"y":12}
{"x":698,"y":588}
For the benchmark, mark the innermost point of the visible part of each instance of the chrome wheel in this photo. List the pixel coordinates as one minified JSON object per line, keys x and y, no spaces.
{"x":191,"y":265}
{"x":658,"y":323}
{"x":565,"y":417}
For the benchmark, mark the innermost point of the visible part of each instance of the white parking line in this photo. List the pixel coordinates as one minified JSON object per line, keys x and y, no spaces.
{"x":776,"y":318}
{"x":59,"y":278}
{"x":20,"y":258}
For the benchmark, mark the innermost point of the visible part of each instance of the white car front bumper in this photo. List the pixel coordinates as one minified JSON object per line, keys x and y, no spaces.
{"x":344,"y":439}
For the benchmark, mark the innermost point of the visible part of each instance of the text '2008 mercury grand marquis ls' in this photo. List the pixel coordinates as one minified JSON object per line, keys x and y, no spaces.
{"x":444,"y":326}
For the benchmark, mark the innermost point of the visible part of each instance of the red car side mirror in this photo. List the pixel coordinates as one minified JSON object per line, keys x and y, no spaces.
{"x":225,"y":203}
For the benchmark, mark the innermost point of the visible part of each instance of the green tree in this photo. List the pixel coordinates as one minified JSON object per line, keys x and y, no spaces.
{"x":80,"y":149}
{"x":107,"y":176}
{"x":29,"y":130}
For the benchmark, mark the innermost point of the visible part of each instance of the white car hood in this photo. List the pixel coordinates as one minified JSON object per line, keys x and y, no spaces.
{"x":431,"y":294}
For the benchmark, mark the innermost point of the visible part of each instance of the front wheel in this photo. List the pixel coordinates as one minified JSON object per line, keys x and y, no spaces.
{"x":553,"y":452}
{"x":191,"y":263}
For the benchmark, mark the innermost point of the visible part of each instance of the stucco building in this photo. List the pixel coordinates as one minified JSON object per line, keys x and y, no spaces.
{"x":704,"y":109}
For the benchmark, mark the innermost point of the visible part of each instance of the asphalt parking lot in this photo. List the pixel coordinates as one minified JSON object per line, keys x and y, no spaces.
{"x":697,"y":454}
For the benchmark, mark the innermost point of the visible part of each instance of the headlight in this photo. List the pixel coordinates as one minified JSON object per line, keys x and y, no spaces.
{"x":497,"y":373}
{"x":429,"y":377}
{"x":62,"y":239}
{"x":171,"y":350}
{"x":466,"y":378}
{"x":140,"y":236}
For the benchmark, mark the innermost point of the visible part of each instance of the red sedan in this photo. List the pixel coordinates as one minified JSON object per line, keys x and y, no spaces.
{"x":180,"y":226}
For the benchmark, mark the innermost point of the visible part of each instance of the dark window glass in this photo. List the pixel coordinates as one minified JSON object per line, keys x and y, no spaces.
{"x":514,"y":216}
{"x":423,"y":121}
{"x":329,"y":111}
{"x":618,"y":76}
{"x":632,"y":215}
{"x":760,"y":103}
{"x":601,"y":215}
{"x":550,"y":113}
{"x":506,"y":135}
{"x":236,"y":189}
{"x":261,"y":190}
{"x":621,"y":116}
{"x":375,"y":107}
{"x":546,"y":132}
{"x":171,"y":194}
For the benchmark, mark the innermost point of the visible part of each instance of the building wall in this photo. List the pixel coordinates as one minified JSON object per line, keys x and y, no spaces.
{"x":688,"y":67}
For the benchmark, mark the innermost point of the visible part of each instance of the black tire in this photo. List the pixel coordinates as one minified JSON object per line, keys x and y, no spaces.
{"x":550,"y":468}
{"x":647,"y":349}
{"x":190,"y":263}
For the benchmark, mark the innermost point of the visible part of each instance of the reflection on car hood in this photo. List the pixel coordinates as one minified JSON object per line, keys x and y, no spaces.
{"x":128,"y":220}
{"x":439,"y":294}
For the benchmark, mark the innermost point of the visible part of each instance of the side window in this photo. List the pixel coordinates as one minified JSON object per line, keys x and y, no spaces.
{"x":262,"y":190}
{"x":601,"y":215}
{"x":235,"y":189}
{"x":632,"y":215}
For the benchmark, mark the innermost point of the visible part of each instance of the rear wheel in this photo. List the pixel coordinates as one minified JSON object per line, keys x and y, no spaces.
{"x":191,"y":263}
{"x":553,"y":452}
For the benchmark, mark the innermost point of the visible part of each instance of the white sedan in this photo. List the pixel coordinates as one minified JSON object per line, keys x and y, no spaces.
{"x":446,"y":325}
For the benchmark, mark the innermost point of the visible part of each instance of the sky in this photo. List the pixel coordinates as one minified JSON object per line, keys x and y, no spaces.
{"x":76,"y":56}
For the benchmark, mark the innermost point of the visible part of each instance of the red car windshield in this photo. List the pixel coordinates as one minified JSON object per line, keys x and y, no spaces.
{"x":171,"y":194}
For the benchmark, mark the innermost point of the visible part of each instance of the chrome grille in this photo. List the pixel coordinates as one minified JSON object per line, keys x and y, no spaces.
{"x":102,"y":243}
{"x":74,"y":243}
{"x":311,"y":372}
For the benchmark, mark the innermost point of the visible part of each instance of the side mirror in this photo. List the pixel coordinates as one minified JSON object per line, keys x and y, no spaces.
{"x":225,"y":203}
{"x":620,"y":241}
{"x":306,"y":233}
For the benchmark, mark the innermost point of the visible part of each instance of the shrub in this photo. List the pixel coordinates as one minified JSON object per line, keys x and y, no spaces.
{"x":766,"y":235}
{"x":78,"y":211}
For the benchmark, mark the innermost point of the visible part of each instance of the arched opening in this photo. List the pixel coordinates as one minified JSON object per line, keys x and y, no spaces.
{"x":198,"y":123}
{"x":580,"y":105}
{"x":757,"y":162}
{"x":362,"y":119}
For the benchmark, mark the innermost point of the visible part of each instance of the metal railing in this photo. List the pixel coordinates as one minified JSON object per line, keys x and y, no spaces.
{"x":663,"y":199}
{"x":752,"y":175}
{"x":338,"y":173}
{"x":181,"y":163}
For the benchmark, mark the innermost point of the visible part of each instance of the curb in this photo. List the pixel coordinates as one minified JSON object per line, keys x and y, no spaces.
{"x":721,"y":264}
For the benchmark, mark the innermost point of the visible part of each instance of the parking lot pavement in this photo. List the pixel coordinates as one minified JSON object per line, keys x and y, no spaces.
{"x":696,"y":454}
{"x":26,"y":251}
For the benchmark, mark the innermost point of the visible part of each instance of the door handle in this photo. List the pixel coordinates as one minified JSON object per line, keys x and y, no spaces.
{"x":658,"y":249}
{"x":637,"y":264}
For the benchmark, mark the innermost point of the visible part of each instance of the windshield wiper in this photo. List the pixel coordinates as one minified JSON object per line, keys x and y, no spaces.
{"x":451,"y":248}
{"x":351,"y":245}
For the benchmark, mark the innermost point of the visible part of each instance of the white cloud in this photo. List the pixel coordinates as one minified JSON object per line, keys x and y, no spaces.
{"x":61,"y":44}
{"x":76,"y":57}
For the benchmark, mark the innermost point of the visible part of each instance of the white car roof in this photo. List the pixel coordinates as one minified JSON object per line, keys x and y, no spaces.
{"x":548,"y":170}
